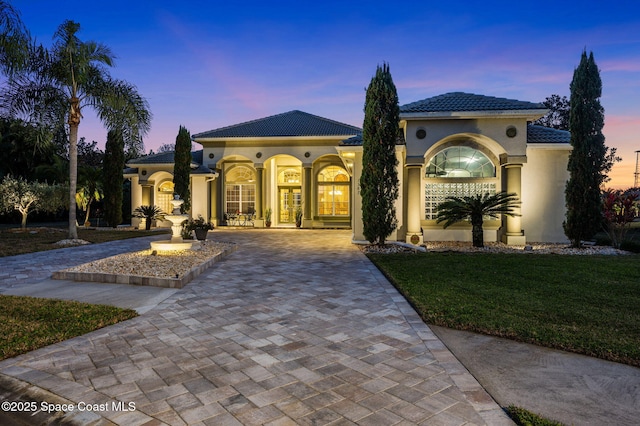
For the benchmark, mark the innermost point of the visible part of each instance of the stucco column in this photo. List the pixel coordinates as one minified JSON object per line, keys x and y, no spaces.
{"x":259,"y":189}
{"x":219,"y":184}
{"x":414,"y":212}
{"x":213,"y":202}
{"x":514,"y":234}
{"x":306,"y":191}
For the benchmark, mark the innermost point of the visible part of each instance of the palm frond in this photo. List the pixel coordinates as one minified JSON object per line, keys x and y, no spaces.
{"x":459,"y":209}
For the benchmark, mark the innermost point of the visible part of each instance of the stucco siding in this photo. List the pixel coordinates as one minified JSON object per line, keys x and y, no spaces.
{"x":544,"y":177}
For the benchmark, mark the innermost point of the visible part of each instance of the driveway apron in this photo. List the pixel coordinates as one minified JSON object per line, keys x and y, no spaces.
{"x":295,"y":327}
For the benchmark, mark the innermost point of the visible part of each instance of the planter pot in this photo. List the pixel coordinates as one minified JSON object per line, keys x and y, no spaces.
{"x":268,"y":224}
{"x":201,"y":234}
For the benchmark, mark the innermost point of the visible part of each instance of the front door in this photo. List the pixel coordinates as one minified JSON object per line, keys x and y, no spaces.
{"x":290,"y":201}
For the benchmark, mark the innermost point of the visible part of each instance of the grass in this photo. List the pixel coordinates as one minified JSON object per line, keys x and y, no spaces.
{"x":522,"y":417}
{"x":14,"y":241}
{"x":28,"y":323}
{"x":583,"y":304}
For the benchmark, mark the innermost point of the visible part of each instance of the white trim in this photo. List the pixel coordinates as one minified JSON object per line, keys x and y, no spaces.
{"x":531,"y":114}
{"x":550,"y":146}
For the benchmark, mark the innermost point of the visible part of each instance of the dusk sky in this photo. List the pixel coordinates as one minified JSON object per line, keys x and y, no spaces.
{"x":209,"y":64}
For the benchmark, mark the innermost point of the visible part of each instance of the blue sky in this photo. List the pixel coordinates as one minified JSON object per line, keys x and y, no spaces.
{"x":208,"y":64}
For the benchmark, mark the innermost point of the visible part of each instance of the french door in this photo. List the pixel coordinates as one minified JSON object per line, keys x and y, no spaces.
{"x":290,"y":201}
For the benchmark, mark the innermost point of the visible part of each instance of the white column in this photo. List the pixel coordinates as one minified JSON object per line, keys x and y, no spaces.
{"x":414,"y":212}
{"x":306,"y":191}
{"x":514,"y":234}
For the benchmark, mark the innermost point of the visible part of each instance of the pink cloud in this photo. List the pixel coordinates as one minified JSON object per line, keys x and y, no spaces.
{"x":629,"y":65}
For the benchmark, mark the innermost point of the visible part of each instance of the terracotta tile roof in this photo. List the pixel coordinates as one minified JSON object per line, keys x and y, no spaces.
{"x":292,"y":123}
{"x":459,"y":101}
{"x":542,"y":134}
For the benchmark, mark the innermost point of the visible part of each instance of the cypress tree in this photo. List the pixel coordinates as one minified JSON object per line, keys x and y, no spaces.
{"x":182,"y":167}
{"x":379,"y":180}
{"x":112,"y":168}
{"x":588,"y":161}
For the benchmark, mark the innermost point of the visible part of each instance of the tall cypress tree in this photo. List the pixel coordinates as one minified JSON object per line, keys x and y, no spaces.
{"x":379,"y":180}
{"x":112,"y":168}
{"x":182,"y":167}
{"x":588,"y":161}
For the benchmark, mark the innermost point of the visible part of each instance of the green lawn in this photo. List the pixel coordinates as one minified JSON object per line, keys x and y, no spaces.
{"x":28,"y":323}
{"x":584,"y":304}
{"x":14,"y":241}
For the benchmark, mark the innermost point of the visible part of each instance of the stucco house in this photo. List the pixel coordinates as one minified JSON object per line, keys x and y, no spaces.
{"x":454,"y":144}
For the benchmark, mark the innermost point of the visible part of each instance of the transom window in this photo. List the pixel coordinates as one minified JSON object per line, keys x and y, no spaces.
{"x":289,"y":176}
{"x":460,"y":162}
{"x":240,"y":190}
{"x":165,"y":195}
{"x":333,"y":191}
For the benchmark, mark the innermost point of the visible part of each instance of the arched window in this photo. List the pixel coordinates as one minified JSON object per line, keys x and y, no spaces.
{"x":165,"y":195}
{"x":333,"y":192}
{"x":289,"y":176}
{"x":240,"y":190}
{"x":458,"y":171}
{"x":460,"y":162}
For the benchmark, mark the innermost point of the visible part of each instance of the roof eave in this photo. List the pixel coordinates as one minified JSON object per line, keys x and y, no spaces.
{"x":529,"y":114}
{"x":550,"y":146}
{"x":272,"y":138}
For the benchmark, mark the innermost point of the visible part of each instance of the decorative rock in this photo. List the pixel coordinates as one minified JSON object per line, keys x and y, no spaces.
{"x":496,"y":247}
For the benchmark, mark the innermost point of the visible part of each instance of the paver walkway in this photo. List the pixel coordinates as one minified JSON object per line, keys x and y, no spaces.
{"x":295,"y":327}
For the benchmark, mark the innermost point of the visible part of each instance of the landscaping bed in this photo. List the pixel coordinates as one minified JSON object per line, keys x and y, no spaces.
{"x":159,"y":269}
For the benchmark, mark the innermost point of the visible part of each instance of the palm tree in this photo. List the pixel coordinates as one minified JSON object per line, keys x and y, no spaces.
{"x":149,"y":214}
{"x":14,"y":40}
{"x":89,"y":189}
{"x":474,"y":209}
{"x":59,"y":83}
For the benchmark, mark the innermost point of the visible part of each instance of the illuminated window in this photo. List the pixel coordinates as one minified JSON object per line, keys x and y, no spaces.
{"x":460,"y":162}
{"x":165,"y":195}
{"x":458,"y":171}
{"x":240,"y":190}
{"x":289,"y":176}
{"x":333,"y":192}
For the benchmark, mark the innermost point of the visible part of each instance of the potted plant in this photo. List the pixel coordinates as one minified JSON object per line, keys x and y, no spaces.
{"x":149,"y":214}
{"x":267,"y":217}
{"x":200,"y":226}
{"x":298,"y":217}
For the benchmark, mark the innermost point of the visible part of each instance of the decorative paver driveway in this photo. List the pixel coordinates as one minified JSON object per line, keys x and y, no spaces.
{"x":295,"y":327}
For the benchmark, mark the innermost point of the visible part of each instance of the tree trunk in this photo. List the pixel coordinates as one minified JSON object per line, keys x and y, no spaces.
{"x":476,"y":232}
{"x":86,"y":216}
{"x":74,"y":122}
{"x":23,"y":223}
